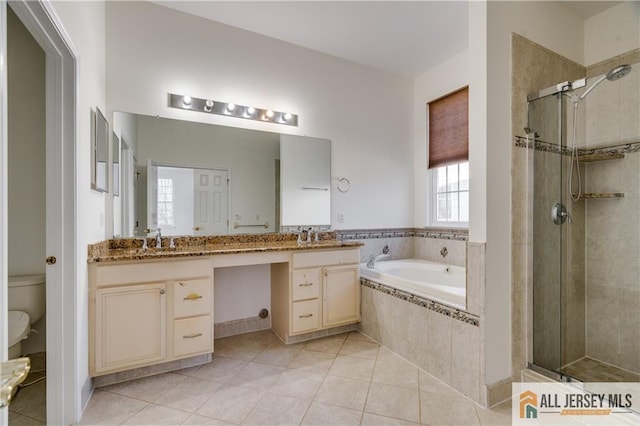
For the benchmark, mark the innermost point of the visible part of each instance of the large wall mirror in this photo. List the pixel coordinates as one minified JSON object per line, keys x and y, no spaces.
{"x":190,"y":178}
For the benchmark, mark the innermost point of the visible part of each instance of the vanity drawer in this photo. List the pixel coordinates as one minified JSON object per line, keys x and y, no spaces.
{"x":321,"y":258}
{"x":192,"y":335}
{"x":305,"y":283}
{"x":305,"y":316}
{"x":192,"y":297}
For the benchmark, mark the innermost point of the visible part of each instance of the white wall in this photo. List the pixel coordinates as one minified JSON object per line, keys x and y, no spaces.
{"x":366,"y":113}
{"x":445,"y":78}
{"x":555,"y":27}
{"x":26,"y":150}
{"x":240,"y":292}
{"x":612,"y":32}
{"x":84,"y":23}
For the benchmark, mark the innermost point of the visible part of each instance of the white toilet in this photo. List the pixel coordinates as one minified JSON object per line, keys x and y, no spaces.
{"x":27,"y":300}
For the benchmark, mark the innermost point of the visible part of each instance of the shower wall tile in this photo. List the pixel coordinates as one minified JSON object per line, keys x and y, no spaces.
{"x":630,"y":329}
{"x":399,"y":248}
{"x":603,"y":323}
{"x":475,"y":275}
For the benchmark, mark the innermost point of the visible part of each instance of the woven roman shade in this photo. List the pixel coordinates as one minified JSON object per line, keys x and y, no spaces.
{"x":449,"y":129}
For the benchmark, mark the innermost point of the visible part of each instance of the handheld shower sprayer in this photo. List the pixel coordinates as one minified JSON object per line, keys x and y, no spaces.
{"x":613,"y":75}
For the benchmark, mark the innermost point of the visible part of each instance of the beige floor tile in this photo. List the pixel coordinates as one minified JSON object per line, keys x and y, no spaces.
{"x":352,"y":367}
{"x":190,"y":394}
{"x":323,"y":414}
{"x":195,"y":419}
{"x":240,"y":347}
{"x":109,"y":408}
{"x":257,"y":376}
{"x":279,"y":355}
{"x":157,"y":415}
{"x":438,"y":409}
{"x":428,"y":383}
{"x":343,"y":392}
{"x":359,"y":349}
{"x":394,"y":402}
{"x":16,"y":419}
{"x":147,"y":388}
{"x":298,"y":383}
{"x":397,"y":374}
{"x":276,"y":409}
{"x":331,"y":344}
{"x":231,"y":403}
{"x":317,"y":362}
{"x":221,"y":369}
{"x":374,"y":419}
{"x":387,"y":356}
{"x":497,"y":416}
{"x":356,"y":335}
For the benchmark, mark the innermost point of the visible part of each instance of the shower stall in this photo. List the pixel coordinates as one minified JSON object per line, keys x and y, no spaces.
{"x":584,"y":136}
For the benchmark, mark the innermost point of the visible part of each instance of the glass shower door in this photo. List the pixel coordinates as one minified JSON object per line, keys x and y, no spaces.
{"x":546,"y":134}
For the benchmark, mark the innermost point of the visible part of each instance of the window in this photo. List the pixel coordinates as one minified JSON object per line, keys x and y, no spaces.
{"x":451,"y":194}
{"x":165,"y":203}
{"x":448,"y":160}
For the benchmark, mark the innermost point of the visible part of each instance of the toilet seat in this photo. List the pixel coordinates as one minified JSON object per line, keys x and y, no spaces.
{"x":18,"y":326}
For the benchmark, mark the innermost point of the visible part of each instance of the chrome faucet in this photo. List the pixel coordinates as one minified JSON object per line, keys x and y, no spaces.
{"x":158,"y":239}
{"x":144,"y":244}
{"x":371,"y":263}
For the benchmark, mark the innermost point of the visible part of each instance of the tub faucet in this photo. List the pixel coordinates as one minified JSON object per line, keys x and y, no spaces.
{"x":158,"y":239}
{"x":371,"y":263}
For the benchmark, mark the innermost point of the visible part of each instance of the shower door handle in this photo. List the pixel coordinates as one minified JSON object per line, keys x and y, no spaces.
{"x":559,"y":214}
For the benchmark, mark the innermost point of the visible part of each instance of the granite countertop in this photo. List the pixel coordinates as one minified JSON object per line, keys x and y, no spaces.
{"x":130,"y":249}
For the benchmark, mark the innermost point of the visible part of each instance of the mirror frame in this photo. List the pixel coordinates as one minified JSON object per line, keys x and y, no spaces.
{"x":100,"y":153}
{"x":115,"y":161}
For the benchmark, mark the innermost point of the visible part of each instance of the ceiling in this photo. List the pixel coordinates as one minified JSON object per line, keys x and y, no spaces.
{"x":401,"y":37}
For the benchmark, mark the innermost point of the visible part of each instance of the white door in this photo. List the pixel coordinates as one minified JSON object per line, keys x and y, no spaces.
{"x":210,"y":202}
{"x":152,"y":196}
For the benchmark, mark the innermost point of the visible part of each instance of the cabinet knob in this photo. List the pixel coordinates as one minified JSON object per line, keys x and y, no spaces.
{"x":162,"y":291}
{"x":51,"y":260}
{"x":197,"y":228}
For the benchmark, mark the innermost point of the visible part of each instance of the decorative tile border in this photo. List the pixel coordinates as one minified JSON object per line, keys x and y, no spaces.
{"x":370,"y":234}
{"x":432,"y":305}
{"x":538,"y":145}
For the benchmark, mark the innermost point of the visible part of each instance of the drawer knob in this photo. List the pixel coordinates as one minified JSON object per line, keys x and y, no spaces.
{"x":305,"y":316}
{"x":192,"y":336}
{"x":162,"y":291}
{"x":192,"y":296}
{"x":305,"y":284}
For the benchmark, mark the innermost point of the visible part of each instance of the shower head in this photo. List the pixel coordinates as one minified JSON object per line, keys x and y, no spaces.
{"x":618,"y":72}
{"x":613,"y":75}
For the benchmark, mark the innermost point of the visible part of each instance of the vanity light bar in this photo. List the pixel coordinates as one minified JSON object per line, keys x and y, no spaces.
{"x":233,"y":110}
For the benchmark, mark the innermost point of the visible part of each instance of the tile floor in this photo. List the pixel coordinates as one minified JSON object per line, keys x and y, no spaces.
{"x":255,"y":379}
{"x":591,"y":370}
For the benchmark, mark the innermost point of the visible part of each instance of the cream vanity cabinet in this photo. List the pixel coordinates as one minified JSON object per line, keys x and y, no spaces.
{"x":322,"y":291}
{"x":149,"y":312}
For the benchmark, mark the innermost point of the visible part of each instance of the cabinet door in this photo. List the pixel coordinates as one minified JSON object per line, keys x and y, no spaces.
{"x":341,"y":291}
{"x":130,"y":326}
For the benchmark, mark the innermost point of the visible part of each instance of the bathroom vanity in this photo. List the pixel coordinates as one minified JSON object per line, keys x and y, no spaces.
{"x":156,"y":306}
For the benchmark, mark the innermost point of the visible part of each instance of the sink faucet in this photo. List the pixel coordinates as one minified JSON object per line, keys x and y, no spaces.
{"x":144,"y":244}
{"x":158,"y":239}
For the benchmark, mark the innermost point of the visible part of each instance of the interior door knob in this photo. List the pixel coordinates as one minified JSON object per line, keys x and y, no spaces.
{"x":51,"y":260}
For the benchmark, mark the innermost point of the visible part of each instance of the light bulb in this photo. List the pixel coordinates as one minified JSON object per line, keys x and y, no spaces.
{"x":251,"y":110}
{"x":186,"y":100}
{"x":208,"y":105}
{"x":287,"y":116}
{"x":269,"y":114}
{"x":231,"y":107}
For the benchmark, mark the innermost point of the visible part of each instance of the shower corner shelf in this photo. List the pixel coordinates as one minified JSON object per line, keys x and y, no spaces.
{"x":596,"y":195}
{"x":592,"y":158}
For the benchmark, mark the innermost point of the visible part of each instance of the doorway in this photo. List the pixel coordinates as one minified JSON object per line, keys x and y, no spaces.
{"x":60,"y":224}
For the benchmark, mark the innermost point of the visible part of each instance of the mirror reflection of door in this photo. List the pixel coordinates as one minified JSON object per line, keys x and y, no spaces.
{"x":187,"y":201}
{"x":211,"y":205}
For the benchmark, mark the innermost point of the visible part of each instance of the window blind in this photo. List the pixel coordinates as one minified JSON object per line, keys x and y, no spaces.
{"x":449,"y":129}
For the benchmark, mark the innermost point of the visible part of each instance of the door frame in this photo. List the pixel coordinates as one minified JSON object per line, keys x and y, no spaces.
{"x":61,"y":227}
